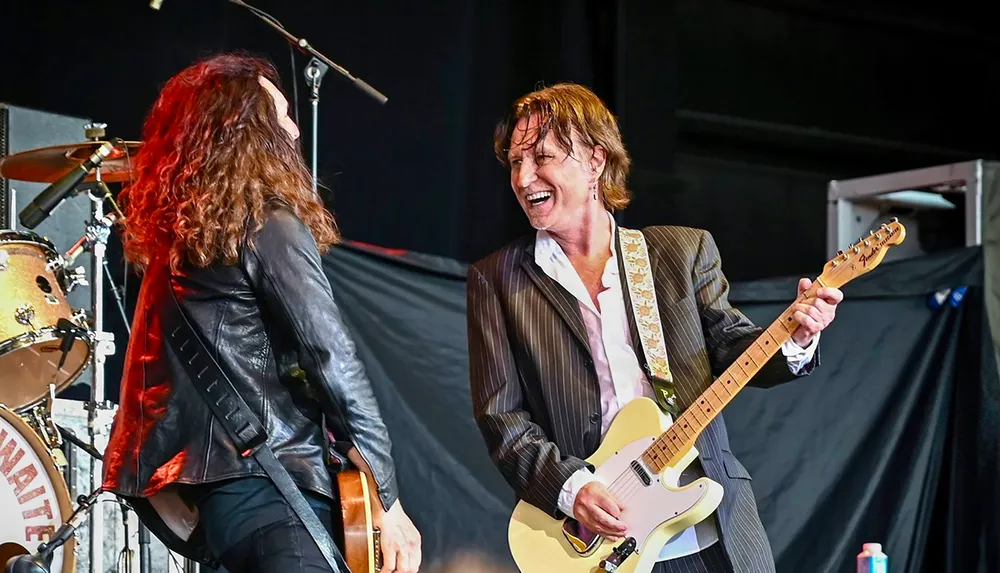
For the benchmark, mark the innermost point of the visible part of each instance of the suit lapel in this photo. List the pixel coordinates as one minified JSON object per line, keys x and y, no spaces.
{"x":564,"y":303}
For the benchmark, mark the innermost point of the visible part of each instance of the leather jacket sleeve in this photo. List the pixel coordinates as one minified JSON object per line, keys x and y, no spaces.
{"x":287,"y":274}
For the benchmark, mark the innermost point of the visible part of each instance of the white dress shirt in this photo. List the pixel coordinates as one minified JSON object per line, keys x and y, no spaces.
{"x":620,"y":377}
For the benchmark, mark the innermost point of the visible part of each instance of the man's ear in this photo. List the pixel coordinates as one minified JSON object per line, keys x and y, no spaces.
{"x":598,"y":161}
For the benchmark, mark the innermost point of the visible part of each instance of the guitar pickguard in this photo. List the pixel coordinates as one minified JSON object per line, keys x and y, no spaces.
{"x":647,"y":506}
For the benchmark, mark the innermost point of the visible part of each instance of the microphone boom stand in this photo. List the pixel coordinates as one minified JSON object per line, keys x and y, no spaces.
{"x":303,"y":45}
{"x":314,"y":75}
{"x":317,"y":68}
{"x":41,"y":561}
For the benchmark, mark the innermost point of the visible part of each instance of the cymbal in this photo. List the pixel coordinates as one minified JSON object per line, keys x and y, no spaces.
{"x":48,"y":164}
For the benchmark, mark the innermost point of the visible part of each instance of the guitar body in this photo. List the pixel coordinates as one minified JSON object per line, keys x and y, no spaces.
{"x":361,"y":539}
{"x":654,"y":513}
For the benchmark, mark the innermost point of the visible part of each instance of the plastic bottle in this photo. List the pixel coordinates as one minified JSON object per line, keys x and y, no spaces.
{"x":872,"y":560}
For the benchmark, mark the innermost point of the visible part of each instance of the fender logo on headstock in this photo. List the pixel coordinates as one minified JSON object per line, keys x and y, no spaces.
{"x":866,"y":257}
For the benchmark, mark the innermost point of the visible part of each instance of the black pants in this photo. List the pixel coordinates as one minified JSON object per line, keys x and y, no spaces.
{"x":250,"y":525}
{"x":281,"y":547}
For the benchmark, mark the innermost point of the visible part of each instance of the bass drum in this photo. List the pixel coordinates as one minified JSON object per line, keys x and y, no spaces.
{"x":34,"y":499}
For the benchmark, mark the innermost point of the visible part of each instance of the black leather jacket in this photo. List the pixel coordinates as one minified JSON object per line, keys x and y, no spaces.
{"x":264,"y":317}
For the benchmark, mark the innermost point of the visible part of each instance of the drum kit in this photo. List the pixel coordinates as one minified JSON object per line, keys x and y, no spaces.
{"x":46,"y":345}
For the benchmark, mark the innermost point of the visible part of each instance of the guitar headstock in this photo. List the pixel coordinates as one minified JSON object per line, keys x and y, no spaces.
{"x":863,"y":256}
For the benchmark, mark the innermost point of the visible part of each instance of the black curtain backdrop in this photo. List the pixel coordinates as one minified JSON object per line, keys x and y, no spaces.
{"x":727,"y":106}
{"x":417,"y":172}
{"x":892,"y":440}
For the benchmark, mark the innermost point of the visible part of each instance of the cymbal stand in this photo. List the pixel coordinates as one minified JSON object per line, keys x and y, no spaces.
{"x":104,"y":346}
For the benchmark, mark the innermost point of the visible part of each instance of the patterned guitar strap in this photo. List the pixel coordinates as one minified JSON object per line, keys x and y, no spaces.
{"x":639,"y":275}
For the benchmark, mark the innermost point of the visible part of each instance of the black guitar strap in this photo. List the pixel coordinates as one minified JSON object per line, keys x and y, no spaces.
{"x":233,"y":413}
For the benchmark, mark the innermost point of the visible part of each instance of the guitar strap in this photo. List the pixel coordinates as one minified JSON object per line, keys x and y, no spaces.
{"x":639,"y":276}
{"x":235,"y":416}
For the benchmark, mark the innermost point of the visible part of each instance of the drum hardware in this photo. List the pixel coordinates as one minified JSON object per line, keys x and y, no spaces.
{"x":71,"y":437}
{"x":25,"y":314}
{"x":69,"y":168}
{"x":40,"y":420}
{"x":126,"y":557}
{"x":72,"y":170}
{"x":41,"y":560}
{"x":104,"y":341}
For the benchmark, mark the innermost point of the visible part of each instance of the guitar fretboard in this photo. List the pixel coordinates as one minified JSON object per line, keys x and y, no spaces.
{"x":676,"y":441}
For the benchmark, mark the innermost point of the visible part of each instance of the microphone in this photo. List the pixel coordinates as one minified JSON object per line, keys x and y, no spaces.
{"x":54,"y":194}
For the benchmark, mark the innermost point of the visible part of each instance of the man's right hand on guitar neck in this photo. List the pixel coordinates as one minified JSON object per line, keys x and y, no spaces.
{"x":598,"y":511}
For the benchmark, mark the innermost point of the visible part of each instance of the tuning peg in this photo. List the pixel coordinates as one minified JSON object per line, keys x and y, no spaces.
{"x":856,"y":250}
{"x":878,"y":236}
{"x":894,"y":220}
{"x":839,"y":253}
{"x":871,"y":233}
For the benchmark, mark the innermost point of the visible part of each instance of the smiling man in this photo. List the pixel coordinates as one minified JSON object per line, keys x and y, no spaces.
{"x":554,"y":349}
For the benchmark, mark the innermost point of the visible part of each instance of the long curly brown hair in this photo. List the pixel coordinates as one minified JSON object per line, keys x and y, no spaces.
{"x":214,"y":160}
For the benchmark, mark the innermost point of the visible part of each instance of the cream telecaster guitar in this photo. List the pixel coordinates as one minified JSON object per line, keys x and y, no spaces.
{"x":643,"y":454}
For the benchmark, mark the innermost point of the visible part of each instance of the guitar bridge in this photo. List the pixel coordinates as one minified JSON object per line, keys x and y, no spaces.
{"x":620,"y":554}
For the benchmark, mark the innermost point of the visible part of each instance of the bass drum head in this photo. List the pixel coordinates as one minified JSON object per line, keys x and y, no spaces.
{"x":34,"y":499}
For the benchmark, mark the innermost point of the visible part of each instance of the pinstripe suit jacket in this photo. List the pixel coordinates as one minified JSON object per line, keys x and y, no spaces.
{"x":535,"y":392}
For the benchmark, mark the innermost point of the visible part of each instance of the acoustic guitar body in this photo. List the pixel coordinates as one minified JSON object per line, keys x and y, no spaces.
{"x":361,"y":539}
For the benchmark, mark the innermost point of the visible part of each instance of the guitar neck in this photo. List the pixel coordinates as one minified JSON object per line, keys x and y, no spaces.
{"x":860,"y":258}
{"x":671,"y":445}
